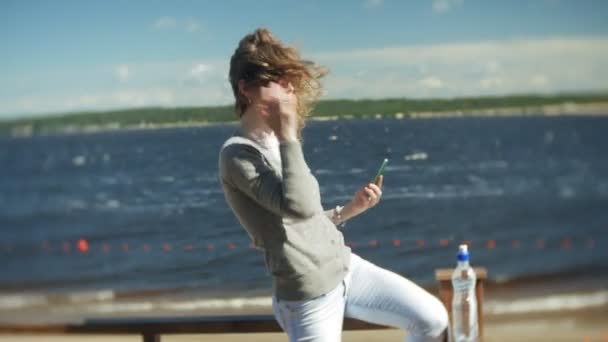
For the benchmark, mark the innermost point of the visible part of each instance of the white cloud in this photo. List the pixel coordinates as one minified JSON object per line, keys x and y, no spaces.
{"x":165,"y":23}
{"x":120,"y":99}
{"x":470,"y":69}
{"x":200,"y":69}
{"x":117,"y":99}
{"x":169,"y":23}
{"x":198,"y":74}
{"x":178,"y":83}
{"x":122,"y":73}
{"x":492,"y":66}
{"x":192,"y":25}
{"x":418,"y":71}
{"x":490,"y":83}
{"x":431,"y":82}
{"x":373,"y":3}
{"x":442,"y":6}
{"x":141,"y":97}
{"x":539,"y":81}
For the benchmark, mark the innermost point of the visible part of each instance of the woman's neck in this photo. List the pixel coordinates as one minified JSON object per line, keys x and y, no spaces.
{"x":256,"y":129}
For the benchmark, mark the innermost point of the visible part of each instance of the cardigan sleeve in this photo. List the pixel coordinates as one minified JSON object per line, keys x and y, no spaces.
{"x":296,"y":194}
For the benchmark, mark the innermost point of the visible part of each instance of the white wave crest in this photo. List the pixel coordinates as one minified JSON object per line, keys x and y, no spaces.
{"x":22,"y":301}
{"x":549,"y":303}
{"x":233,"y":303}
{"x":121,"y":307}
{"x":99,"y":296}
{"x":164,"y":305}
{"x":351,"y":171}
{"x":416,"y":156}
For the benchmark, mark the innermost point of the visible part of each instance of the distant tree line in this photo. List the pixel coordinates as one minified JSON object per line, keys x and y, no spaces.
{"x":326,"y":108}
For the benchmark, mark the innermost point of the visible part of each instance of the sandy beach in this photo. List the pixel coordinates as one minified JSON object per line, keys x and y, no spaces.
{"x":535,"y":330}
{"x":575,"y":309}
{"x":569,"y":325}
{"x":539,"y":308}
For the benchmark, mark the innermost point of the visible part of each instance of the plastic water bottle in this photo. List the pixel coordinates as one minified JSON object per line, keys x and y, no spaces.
{"x":464,"y":303}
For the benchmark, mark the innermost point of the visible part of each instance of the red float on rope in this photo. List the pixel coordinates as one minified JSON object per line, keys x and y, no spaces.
{"x":105,"y":248}
{"x":46,"y":246}
{"x":540,"y":244}
{"x":83,"y":246}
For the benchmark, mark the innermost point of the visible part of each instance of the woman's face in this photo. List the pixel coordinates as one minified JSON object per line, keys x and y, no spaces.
{"x":273,"y":91}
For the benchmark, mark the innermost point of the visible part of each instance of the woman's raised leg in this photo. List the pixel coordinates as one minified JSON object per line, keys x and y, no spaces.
{"x":380,"y":296}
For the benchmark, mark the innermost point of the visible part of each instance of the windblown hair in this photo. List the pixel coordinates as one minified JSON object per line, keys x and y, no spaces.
{"x":261,"y":58}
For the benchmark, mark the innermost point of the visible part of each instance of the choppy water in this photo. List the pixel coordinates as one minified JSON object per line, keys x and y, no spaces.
{"x":529,"y":193}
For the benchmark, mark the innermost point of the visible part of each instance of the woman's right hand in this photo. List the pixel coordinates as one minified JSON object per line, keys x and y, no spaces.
{"x":280,"y":105}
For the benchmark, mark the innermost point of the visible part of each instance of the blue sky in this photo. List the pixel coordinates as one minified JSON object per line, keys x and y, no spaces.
{"x":60,"y":56}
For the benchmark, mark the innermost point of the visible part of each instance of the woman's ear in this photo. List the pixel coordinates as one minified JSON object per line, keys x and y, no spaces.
{"x":243,"y":91}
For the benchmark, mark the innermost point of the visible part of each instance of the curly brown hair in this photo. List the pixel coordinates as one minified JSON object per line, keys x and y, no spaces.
{"x":261,"y":58}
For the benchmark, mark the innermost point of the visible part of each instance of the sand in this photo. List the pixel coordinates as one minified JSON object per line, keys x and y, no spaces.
{"x":587,"y":326}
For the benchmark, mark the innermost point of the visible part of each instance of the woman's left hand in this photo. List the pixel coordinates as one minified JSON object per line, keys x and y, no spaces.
{"x":367,"y":197}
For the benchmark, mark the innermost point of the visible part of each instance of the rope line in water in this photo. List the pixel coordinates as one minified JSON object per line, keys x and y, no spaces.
{"x":85,"y":246}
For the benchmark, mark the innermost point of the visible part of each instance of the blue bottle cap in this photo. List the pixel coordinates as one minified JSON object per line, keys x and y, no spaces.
{"x":463,"y":253}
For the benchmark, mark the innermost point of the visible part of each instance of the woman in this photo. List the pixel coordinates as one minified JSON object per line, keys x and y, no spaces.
{"x":267,"y":183}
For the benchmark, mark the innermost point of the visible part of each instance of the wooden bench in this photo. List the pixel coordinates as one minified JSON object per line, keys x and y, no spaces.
{"x":151,"y":328}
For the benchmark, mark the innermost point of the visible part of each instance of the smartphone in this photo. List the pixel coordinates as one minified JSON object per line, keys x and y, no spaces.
{"x":380,"y":170}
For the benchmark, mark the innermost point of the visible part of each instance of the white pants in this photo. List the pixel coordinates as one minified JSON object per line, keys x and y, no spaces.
{"x":368,"y":293}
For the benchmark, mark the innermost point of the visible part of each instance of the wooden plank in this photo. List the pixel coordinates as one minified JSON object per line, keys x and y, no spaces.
{"x":150,"y":328}
{"x":151,"y":338}
{"x":445,"y":274}
{"x":172,"y":325}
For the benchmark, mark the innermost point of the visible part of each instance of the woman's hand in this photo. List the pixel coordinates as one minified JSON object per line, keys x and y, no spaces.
{"x":367,"y":197}
{"x":279,"y":103}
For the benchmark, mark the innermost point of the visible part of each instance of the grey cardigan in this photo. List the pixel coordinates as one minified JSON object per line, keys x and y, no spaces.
{"x":279,"y":205}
